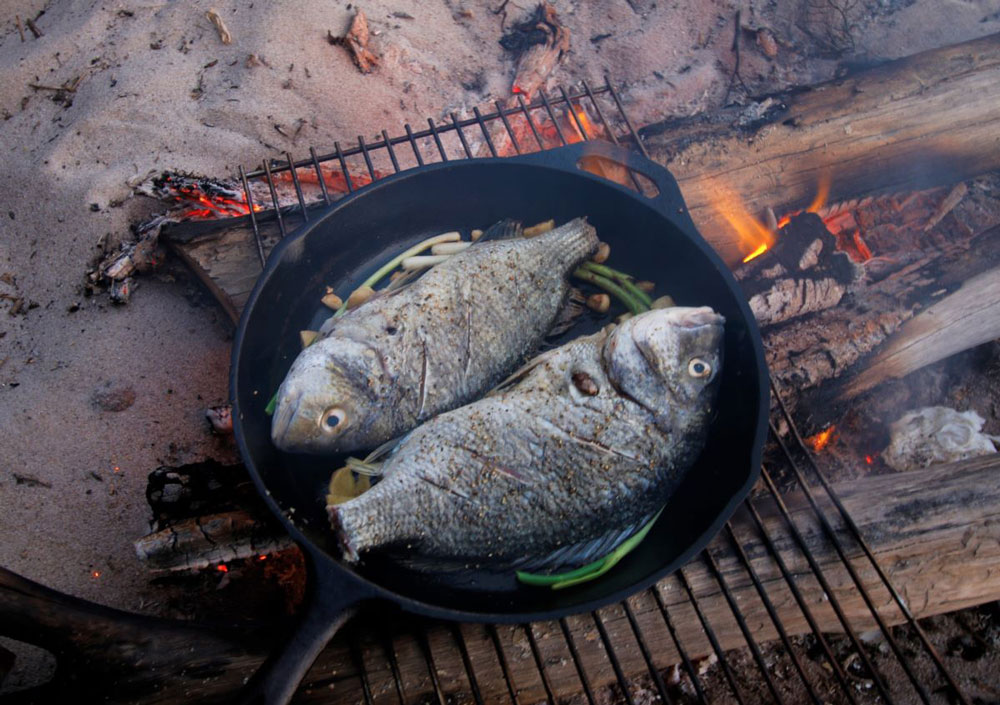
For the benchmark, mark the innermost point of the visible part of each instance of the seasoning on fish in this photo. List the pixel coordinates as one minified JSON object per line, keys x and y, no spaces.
{"x":560,"y":464}
{"x":437,"y":343}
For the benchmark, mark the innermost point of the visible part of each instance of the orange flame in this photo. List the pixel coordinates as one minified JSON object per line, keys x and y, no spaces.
{"x":755,"y":238}
{"x":822,"y":193}
{"x":821,"y":439}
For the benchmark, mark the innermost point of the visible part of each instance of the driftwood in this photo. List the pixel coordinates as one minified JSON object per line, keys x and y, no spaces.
{"x":926,"y":120}
{"x":541,"y":43}
{"x":932,"y":530}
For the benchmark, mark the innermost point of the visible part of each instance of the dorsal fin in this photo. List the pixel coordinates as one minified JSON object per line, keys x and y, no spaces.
{"x":506,"y":229}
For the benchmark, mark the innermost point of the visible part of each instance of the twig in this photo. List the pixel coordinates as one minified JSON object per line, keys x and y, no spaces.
{"x":34,"y":28}
{"x":20,"y":29}
{"x":220,"y":26}
{"x":736,"y":50}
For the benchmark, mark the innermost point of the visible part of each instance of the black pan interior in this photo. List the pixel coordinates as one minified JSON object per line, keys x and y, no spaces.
{"x":356,"y":235}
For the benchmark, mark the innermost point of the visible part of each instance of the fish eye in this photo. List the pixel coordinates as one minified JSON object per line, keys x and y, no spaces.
{"x":699,"y":368}
{"x":332,"y":419}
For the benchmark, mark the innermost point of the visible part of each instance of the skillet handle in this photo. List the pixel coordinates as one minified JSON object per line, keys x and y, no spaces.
{"x":668,"y":201}
{"x":332,"y":602}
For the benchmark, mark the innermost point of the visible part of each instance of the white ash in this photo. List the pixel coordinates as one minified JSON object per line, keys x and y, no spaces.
{"x":937,"y":434}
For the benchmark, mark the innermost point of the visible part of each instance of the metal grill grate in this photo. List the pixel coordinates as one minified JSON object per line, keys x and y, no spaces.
{"x":376,"y":649}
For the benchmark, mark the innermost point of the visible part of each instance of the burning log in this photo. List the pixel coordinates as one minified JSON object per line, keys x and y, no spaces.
{"x":926,"y":120}
{"x":944,"y":560}
{"x":803,"y":273}
{"x":838,"y":341}
{"x":205,"y":542}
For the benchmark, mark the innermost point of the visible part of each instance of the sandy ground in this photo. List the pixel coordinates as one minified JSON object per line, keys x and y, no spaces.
{"x":157,"y":89}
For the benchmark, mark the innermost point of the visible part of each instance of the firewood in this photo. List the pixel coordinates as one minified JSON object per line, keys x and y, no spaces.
{"x":962,"y":320}
{"x":937,"y":548}
{"x":203,"y":542}
{"x":929,"y":119}
{"x":842,"y":340}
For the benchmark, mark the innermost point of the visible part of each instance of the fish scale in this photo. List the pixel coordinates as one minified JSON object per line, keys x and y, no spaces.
{"x":406,"y":356}
{"x":547,"y":462}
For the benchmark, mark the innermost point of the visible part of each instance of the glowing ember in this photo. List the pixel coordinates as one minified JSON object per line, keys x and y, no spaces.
{"x":261,"y":558}
{"x":222,"y":568}
{"x":821,"y":439}
{"x":95,"y":574}
{"x":868,"y":459}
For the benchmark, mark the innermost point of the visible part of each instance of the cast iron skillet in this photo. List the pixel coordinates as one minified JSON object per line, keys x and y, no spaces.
{"x":652,"y":238}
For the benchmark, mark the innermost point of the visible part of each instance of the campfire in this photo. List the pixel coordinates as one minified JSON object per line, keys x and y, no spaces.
{"x":860,"y":216}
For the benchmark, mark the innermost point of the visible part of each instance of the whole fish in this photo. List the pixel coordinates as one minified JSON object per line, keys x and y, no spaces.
{"x":559,"y":465}
{"x":402,"y":358}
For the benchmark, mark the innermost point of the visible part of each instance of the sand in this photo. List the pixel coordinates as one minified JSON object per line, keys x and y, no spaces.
{"x":158,"y":90}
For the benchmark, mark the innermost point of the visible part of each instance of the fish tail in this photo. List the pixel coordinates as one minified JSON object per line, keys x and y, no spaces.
{"x":575,"y":240}
{"x":347,"y":538}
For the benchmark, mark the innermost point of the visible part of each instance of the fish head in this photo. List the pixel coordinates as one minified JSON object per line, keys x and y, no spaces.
{"x":669,"y":361}
{"x":331,"y":399}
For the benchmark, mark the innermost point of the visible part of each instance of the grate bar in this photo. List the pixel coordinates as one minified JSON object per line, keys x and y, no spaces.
{"x":712,"y":639}
{"x":856,"y":532}
{"x":506,"y":124}
{"x":821,"y":578}
{"x":461,"y":135}
{"x":425,"y":651}
{"x":504,"y":666}
{"x":862,"y":590}
{"x":467,"y":662}
{"x":531,"y":123}
{"x":359,"y":665}
{"x":628,"y":121}
{"x":413,"y":144}
{"x":367,"y":156}
{"x":647,"y":655}
{"x":581,"y":672}
{"x":274,"y":199}
{"x":319,"y":175}
{"x":391,"y":151}
{"x":257,"y":239}
{"x":539,"y":663}
{"x":800,"y":601}
{"x":298,"y":190}
{"x":771,"y":612}
{"x":397,"y":676}
{"x":609,"y":649}
{"x":552,"y":116}
{"x":437,"y":140}
{"x":343,"y":167}
{"x":742,"y":623}
{"x":692,"y":673}
{"x":486,"y":132}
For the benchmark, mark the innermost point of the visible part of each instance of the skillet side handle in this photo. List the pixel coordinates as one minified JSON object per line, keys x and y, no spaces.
{"x":332,"y":602}
{"x":669,"y":201}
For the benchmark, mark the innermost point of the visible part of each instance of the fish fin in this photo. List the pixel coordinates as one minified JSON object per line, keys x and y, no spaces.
{"x":576,"y":304}
{"x":583,"y":552}
{"x":385,"y":449}
{"x":506,"y":229}
{"x":522,"y":372}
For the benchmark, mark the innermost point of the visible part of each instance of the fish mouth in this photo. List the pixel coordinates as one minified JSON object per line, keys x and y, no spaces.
{"x":284,"y":418}
{"x":696,"y":317}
